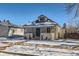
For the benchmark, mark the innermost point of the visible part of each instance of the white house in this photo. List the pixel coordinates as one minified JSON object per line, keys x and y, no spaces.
{"x":43,"y":29}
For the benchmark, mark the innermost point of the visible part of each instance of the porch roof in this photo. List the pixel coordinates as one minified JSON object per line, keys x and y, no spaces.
{"x":37,"y":26}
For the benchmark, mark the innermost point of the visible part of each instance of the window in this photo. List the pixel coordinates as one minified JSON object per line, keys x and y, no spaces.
{"x":48,"y":29}
{"x":42,"y":19}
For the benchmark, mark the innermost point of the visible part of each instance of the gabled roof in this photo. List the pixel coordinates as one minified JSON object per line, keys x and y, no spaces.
{"x":43,"y":20}
{"x":6,"y":23}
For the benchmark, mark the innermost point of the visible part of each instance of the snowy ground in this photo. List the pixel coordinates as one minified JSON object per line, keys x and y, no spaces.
{"x":32,"y":50}
{"x":42,"y":51}
{"x":5,"y":54}
{"x":55,"y":42}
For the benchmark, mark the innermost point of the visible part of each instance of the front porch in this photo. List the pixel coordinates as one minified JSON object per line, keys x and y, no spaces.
{"x":40,"y":33}
{"x":43,"y":36}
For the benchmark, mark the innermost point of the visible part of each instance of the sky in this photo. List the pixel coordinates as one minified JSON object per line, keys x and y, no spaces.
{"x":23,"y":13}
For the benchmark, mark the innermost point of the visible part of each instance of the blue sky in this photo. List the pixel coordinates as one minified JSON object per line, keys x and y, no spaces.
{"x":25,"y":13}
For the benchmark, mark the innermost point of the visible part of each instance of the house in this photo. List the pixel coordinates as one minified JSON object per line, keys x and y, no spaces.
{"x":4,"y":28}
{"x":16,"y":31}
{"x":3,"y":31}
{"x":42,"y":29}
{"x":8,"y":29}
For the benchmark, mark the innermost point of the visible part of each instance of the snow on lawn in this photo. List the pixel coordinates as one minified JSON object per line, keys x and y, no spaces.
{"x":14,"y":41}
{"x":20,"y":49}
{"x":41,"y":51}
{"x":68,"y":40}
{"x":5,"y":54}
{"x":54,"y":42}
{"x":2,"y":44}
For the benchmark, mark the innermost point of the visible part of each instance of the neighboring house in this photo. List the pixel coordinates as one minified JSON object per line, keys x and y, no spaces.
{"x":3,"y":31}
{"x":8,"y":29}
{"x":43,"y":29}
{"x":4,"y":28}
{"x":16,"y":31}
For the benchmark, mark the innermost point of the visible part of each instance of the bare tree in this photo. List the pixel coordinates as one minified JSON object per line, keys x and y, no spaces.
{"x":77,"y":25}
{"x":73,"y":6}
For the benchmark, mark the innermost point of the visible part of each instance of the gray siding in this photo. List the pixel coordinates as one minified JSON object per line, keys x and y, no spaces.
{"x":4,"y":31}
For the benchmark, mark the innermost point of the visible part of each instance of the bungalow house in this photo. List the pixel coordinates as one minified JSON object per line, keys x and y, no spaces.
{"x":42,"y":29}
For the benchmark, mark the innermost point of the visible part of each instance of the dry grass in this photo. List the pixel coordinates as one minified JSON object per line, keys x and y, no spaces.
{"x":19,"y":43}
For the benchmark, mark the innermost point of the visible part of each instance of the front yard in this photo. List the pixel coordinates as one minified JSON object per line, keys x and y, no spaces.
{"x":60,"y":47}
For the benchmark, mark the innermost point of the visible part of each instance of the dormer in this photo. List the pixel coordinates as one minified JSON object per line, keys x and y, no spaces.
{"x":42,"y":18}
